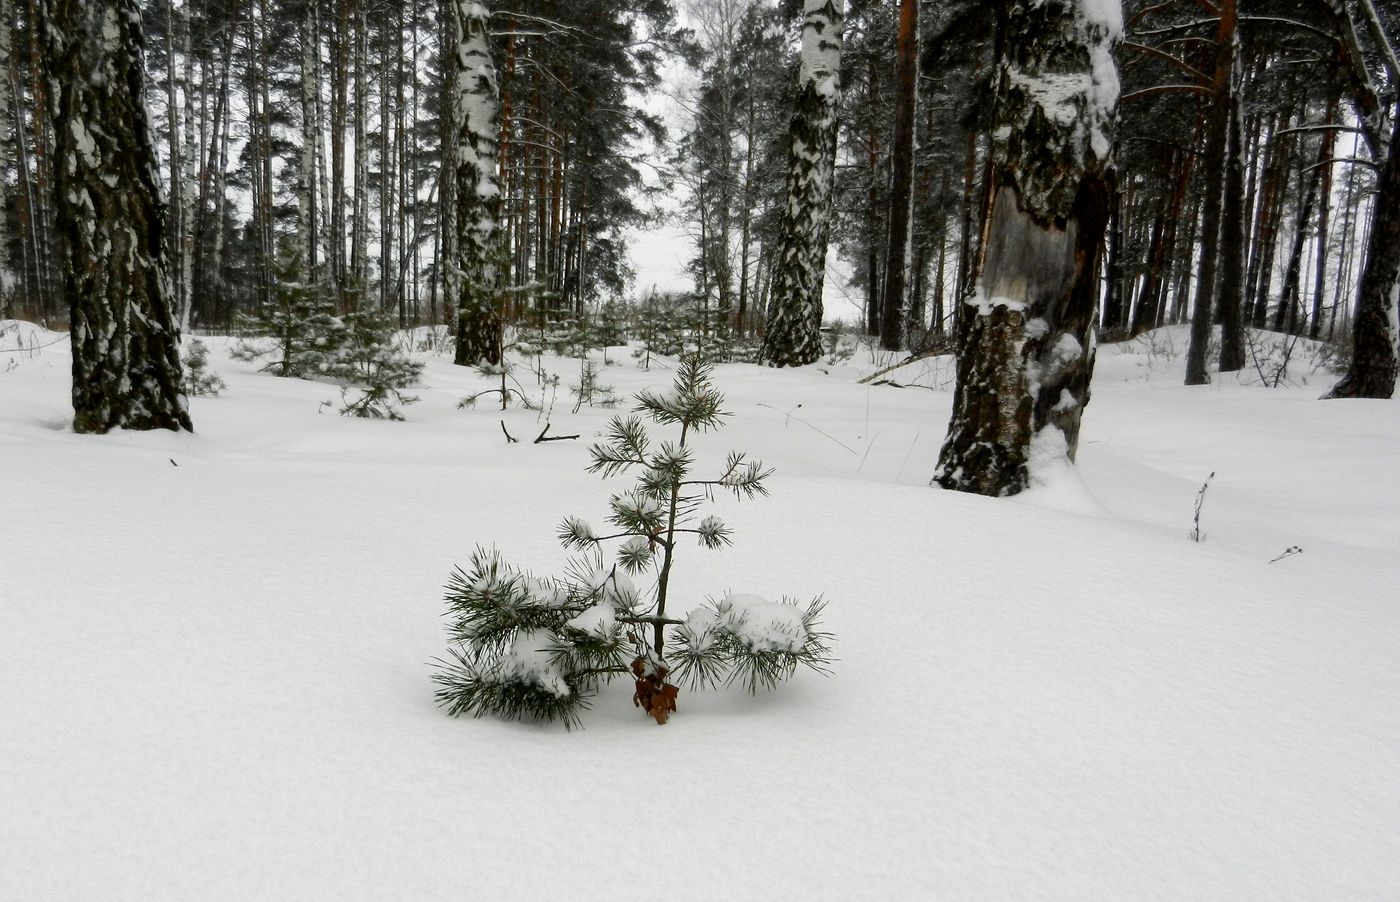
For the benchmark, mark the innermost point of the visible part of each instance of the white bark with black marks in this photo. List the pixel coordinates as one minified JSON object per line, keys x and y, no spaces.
{"x":793,"y":335}
{"x":472,"y":275}
{"x":126,"y":349}
{"x":1025,"y":337}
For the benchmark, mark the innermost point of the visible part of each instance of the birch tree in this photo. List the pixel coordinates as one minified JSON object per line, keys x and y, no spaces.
{"x":472,"y":276}
{"x":6,"y":103}
{"x":793,"y":336}
{"x":1025,"y":348}
{"x":126,"y":360}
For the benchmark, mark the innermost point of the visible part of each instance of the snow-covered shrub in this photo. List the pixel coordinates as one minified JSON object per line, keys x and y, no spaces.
{"x":525,"y":647}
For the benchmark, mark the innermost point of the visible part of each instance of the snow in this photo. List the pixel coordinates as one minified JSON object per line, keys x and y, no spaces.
{"x":758,"y":624}
{"x":528,"y":661}
{"x":215,"y":679}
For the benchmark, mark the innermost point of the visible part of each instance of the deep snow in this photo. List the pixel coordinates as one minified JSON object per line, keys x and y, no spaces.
{"x":214,"y":677}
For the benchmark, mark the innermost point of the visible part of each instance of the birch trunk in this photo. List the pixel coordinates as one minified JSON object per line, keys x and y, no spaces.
{"x":126,"y":351}
{"x":1025,"y":349}
{"x":793,"y":336}
{"x":6,"y":104}
{"x":472,"y":276}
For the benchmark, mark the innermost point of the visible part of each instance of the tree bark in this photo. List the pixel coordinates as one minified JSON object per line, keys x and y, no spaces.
{"x":1230,"y":295}
{"x":901,"y":177}
{"x":1025,"y":339}
{"x":472,"y":277}
{"x":126,"y":351}
{"x":6,"y":103}
{"x":1375,"y":333}
{"x":1217,"y":139}
{"x":793,"y":336}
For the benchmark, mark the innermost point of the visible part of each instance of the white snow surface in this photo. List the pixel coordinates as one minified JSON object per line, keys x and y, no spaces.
{"x":215,"y":651}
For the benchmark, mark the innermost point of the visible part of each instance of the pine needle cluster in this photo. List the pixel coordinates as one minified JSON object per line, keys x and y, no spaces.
{"x":538,"y":649}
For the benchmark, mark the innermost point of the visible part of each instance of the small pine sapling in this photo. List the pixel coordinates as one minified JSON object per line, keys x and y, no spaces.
{"x":199,"y":381}
{"x":298,"y":333}
{"x":591,"y":391}
{"x":539,"y":649}
{"x":509,"y":388}
{"x":611,"y":327}
{"x":659,"y":325}
{"x":371,"y":362}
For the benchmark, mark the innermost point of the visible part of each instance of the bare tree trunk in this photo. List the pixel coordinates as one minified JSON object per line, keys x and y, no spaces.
{"x":1217,"y":139}
{"x":901,"y":178}
{"x":6,"y":105}
{"x":1286,"y":316}
{"x":793,"y":336}
{"x":359,"y":225}
{"x":1323,"y":221}
{"x":126,"y":352}
{"x":1375,"y":335}
{"x":187,"y":185}
{"x":1025,"y":347}
{"x":40,"y":199}
{"x":472,"y":277}
{"x":1113,"y":287}
{"x":307,"y":200}
{"x":1230,"y":293}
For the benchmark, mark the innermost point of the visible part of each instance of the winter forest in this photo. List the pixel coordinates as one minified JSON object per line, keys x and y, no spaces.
{"x":996,"y":499}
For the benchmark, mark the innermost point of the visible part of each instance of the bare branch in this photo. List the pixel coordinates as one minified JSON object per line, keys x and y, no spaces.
{"x":1180,"y":64}
{"x":1167,"y":89}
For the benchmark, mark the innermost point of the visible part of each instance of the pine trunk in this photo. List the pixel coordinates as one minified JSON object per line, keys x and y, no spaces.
{"x":126,"y":351}
{"x":1375,"y":334}
{"x":1217,"y":141}
{"x":307,"y":204}
{"x":892,"y":314}
{"x":1230,"y":296}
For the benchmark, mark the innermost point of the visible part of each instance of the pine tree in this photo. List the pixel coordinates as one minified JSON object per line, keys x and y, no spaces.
{"x":1025,"y":340}
{"x":533,"y":648}
{"x":898,"y":262}
{"x":126,"y":349}
{"x":793,"y":335}
{"x":374,"y":368}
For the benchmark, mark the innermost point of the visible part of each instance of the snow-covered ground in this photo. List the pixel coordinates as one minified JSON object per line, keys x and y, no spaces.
{"x":215,"y":678}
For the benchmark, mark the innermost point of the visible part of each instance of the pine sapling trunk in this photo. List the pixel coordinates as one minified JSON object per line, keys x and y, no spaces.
{"x":668,"y":549}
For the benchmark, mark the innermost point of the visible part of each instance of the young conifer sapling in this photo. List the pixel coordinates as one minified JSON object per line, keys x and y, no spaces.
{"x":525,"y":647}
